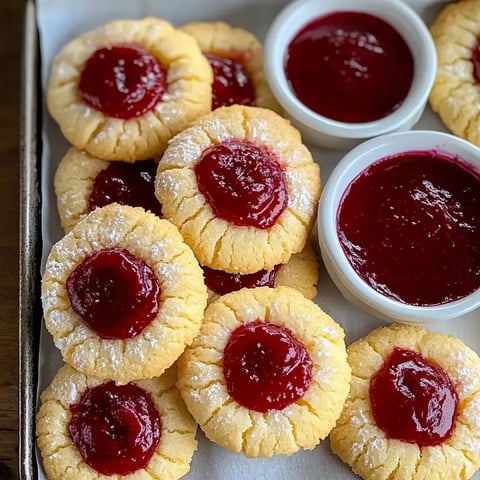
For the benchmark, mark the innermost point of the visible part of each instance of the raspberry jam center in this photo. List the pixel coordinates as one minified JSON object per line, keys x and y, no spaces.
{"x":231,"y":82}
{"x":122,"y":81}
{"x":242,"y":183}
{"x":116,"y":294}
{"x":265,"y":366}
{"x":127,"y":184}
{"x":116,"y":428}
{"x":350,"y":67}
{"x":409,"y":225}
{"x":413,"y":399}
{"x":476,"y":62}
{"x":223,"y":282}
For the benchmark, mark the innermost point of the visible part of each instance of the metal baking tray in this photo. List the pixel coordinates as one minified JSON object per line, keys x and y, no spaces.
{"x":30,"y":316}
{"x":33,"y":236}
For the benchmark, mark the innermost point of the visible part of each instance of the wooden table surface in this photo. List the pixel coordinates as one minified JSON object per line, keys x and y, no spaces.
{"x":11,"y":21}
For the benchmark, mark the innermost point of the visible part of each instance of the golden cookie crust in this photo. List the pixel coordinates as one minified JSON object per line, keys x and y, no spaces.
{"x":455,"y":95}
{"x":73,"y":183}
{"x":362,"y":445}
{"x":61,"y":458}
{"x":182,"y":302}
{"x":188,"y":94}
{"x":300,"y":272}
{"x":300,"y":425}
{"x":222,"y":39}
{"x":217,"y":243}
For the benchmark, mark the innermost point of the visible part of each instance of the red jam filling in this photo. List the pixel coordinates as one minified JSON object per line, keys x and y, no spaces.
{"x":265,"y":366}
{"x":476,"y":62}
{"x":413,"y":399}
{"x":122,"y":81}
{"x":116,"y":294}
{"x":350,"y":67}
{"x":242,"y":183}
{"x":223,"y":282}
{"x":127,"y":184}
{"x":231,"y":82}
{"x":116,"y":428}
{"x":410,"y":226}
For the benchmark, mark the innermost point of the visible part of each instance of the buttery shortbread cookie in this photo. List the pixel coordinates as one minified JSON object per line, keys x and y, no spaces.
{"x":413,"y":411}
{"x":268,"y":373}
{"x":121,"y":91}
{"x":455,"y":95}
{"x":300,"y":272}
{"x":236,"y":57}
{"x":92,"y":430}
{"x":83,"y":183}
{"x":122,"y":294}
{"x":241,"y":187}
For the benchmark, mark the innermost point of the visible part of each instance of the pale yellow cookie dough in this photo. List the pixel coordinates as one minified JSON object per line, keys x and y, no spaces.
{"x":238,"y":44}
{"x":300,"y":425}
{"x":73,"y":183}
{"x":300,"y":272}
{"x":182,"y":300}
{"x":217,"y":243}
{"x":61,"y":458}
{"x":455,"y":95}
{"x":188,"y":95}
{"x":361,"y":444}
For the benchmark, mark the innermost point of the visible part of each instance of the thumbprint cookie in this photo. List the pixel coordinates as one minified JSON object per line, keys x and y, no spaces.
{"x":236,"y":58}
{"x":455,"y":95}
{"x":413,"y":411}
{"x":241,"y":187}
{"x":83,"y":183}
{"x":300,"y":272}
{"x":122,"y":294}
{"x":93,"y":430}
{"x":268,"y":373}
{"x":121,"y":91}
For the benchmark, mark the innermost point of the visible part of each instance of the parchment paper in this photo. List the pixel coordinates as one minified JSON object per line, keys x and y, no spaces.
{"x":60,"y":21}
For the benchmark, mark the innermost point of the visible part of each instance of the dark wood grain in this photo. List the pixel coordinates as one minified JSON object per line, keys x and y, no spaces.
{"x":11,"y":24}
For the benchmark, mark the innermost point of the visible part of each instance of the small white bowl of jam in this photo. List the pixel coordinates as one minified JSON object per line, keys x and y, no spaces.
{"x":348,"y":70}
{"x":399,"y":226}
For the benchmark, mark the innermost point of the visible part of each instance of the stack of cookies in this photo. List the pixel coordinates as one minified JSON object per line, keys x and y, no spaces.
{"x":158,"y":197}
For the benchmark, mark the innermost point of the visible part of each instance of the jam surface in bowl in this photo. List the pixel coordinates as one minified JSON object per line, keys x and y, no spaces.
{"x":413,"y":399}
{"x":409,"y":225}
{"x":350,"y":66}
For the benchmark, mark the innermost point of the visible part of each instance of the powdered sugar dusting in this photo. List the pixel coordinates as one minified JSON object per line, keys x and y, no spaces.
{"x":168,"y":271}
{"x":374,"y":451}
{"x":467,"y":378}
{"x":159,"y":249}
{"x":300,"y":200}
{"x":260,"y":131}
{"x":77,"y":337}
{"x":68,"y":392}
{"x":166,"y":183}
{"x":186,"y":150}
{"x":278,"y":424}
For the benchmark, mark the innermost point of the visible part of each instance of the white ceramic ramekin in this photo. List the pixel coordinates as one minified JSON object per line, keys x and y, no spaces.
{"x":351,"y":285}
{"x":329,"y":133}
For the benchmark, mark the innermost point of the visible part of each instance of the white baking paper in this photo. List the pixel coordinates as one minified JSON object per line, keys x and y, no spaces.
{"x":62,"y":20}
